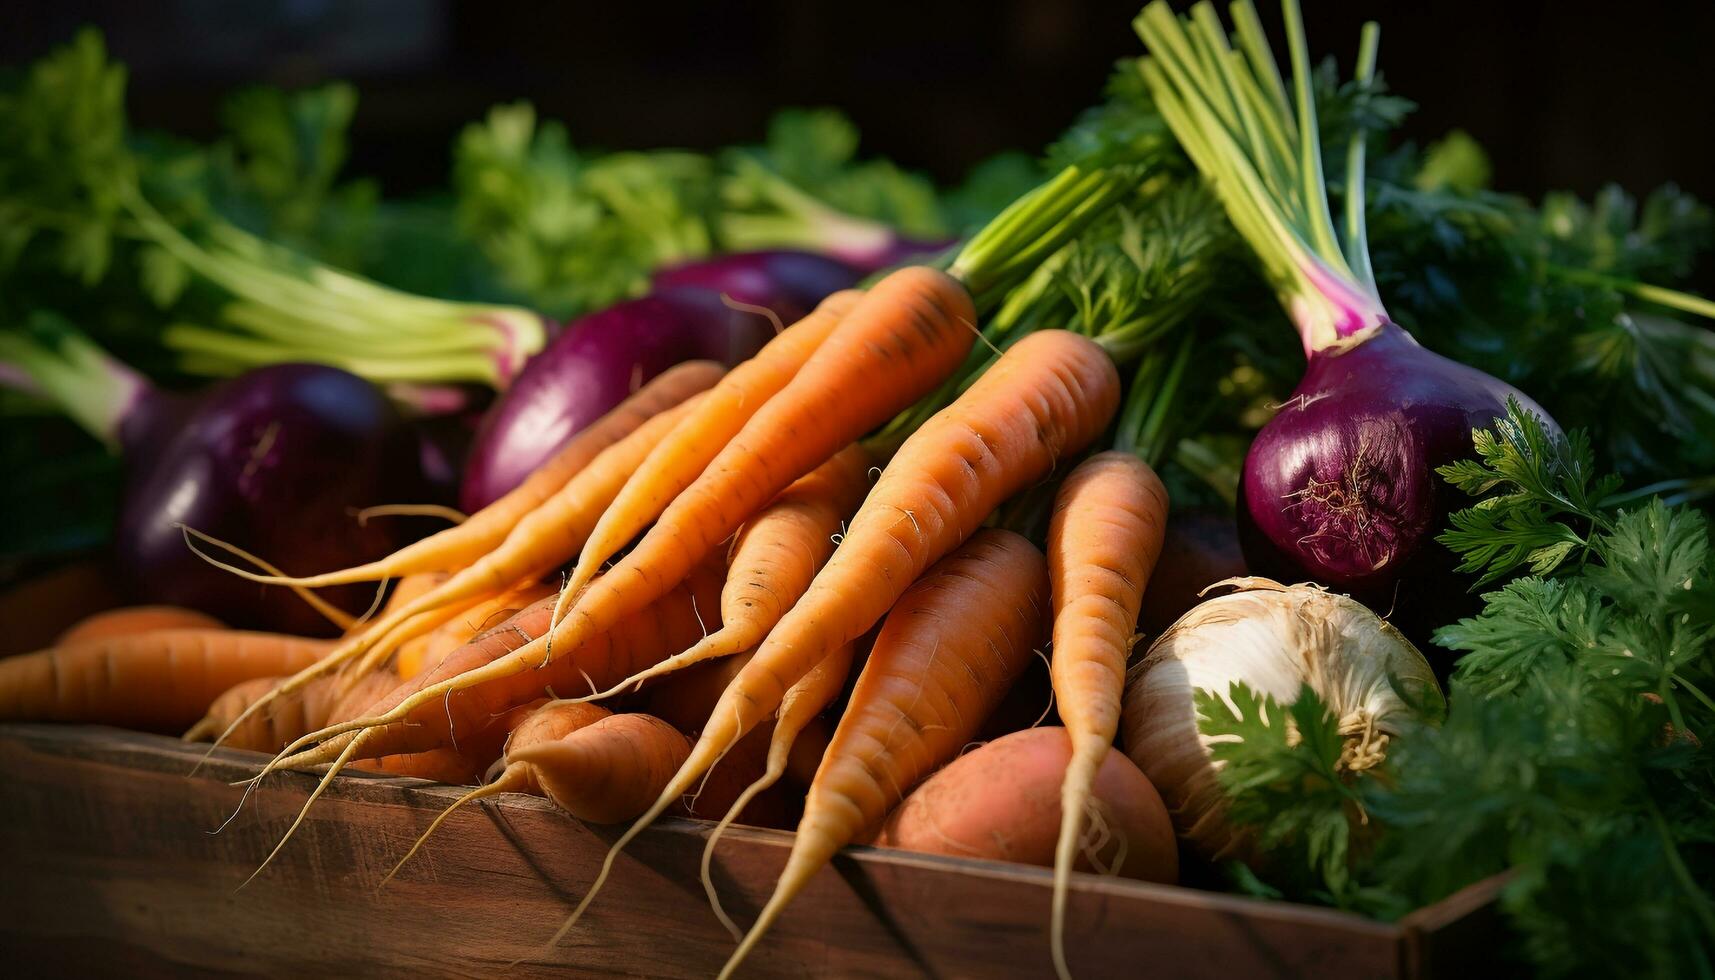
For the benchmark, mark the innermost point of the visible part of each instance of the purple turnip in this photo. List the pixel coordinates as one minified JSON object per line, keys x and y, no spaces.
{"x":275,"y":461}
{"x":1340,"y":486}
{"x":600,"y":359}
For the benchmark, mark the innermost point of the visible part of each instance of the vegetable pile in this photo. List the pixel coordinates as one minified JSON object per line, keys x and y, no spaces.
{"x":774,"y":526}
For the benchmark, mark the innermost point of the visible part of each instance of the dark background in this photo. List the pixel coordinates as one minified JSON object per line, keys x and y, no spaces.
{"x":1563,"y":95}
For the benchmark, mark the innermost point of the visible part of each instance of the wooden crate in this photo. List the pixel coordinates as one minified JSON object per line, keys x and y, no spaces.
{"x":110,"y":863}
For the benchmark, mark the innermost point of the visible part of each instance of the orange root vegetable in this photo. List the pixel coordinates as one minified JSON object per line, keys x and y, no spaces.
{"x":1051,"y":394}
{"x":1002,"y":802}
{"x":610,"y":771}
{"x":775,"y":556}
{"x":159,"y":681}
{"x":686,"y":452}
{"x":538,"y":542}
{"x":425,"y":652}
{"x":483,"y":531}
{"x":536,"y":723}
{"x":436,"y":765}
{"x":131,"y":620}
{"x":799,"y":710}
{"x":672,"y":623}
{"x":1103,"y":541}
{"x":943,"y":660}
{"x":903,"y":338}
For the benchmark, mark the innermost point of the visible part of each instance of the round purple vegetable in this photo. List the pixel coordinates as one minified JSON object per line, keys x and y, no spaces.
{"x":275,"y":461}
{"x":1340,"y":486}
{"x":787,"y":282}
{"x":600,"y":359}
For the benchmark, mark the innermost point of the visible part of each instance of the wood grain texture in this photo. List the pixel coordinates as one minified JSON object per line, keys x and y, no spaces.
{"x":107,"y":862}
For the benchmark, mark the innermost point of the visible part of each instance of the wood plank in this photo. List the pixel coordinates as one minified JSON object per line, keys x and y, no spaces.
{"x":110,"y":863}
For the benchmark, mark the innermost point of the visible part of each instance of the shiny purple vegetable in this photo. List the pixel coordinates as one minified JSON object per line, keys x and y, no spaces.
{"x":275,"y":461}
{"x":1340,"y":486}
{"x":600,"y":359}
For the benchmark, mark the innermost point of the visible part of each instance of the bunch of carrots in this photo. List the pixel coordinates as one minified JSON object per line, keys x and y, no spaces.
{"x":731,"y":580}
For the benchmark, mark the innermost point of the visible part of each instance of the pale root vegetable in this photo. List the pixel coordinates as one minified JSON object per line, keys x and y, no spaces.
{"x":1103,"y":541}
{"x":539,"y":541}
{"x":774,"y":558}
{"x":943,"y":660}
{"x":482,"y":532}
{"x":906,"y":335}
{"x":681,"y":457}
{"x":1051,"y":394}
{"x":799,"y":710}
{"x":610,"y":771}
{"x":1275,"y":639}
{"x":1002,"y":802}
{"x":131,"y":620}
{"x":158,"y":681}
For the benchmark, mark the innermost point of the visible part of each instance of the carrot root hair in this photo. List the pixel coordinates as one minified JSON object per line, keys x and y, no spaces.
{"x":507,"y":782}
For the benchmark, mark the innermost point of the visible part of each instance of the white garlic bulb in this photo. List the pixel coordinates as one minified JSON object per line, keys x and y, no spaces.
{"x":1275,"y":638}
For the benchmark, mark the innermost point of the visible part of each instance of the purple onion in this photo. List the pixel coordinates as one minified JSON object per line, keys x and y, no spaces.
{"x":275,"y":461}
{"x":600,"y":359}
{"x":593,"y":365}
{"x":1340,"y":486}
{"x":787,"y":282}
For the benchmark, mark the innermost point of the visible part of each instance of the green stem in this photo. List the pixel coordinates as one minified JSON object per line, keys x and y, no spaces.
{"x":1696,"y":692}
{"x":1315,"y":187}
{"x":87,"y":383}
{"x":1357,"y":230}
{"x":1672,"y":492}
{"x":1699,"y":901}
{"x":1673,"y":299}
{"x":1033,"y":228}
{"x":202,"y":346}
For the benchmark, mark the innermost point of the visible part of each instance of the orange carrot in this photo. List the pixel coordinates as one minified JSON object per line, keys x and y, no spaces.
{"x":1050,"y":394}
{"x":130,"y":620}
{"x":544,"y":538}
{"x":943,"y":660}
{"x":323,"y":701}
{"x":671,"y":623}
{"x":160,"y":681}
{"x":682,"y":456}
{"x":776,"y":555}
{"x":1103,"y":540}
{"x":541,"y":722}
{"x":801,"y":706}
{"x":901,"y":339}
{"x":483,"y":531}
{"x":424,"y":652}
{"x":610,"y":771}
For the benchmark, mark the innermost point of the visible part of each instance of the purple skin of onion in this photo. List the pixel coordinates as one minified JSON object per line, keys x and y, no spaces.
{"x":591,"y":366}
{"x":790,"y":283}
{"x":1340,"y":486}
{"x":276,"y":461}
